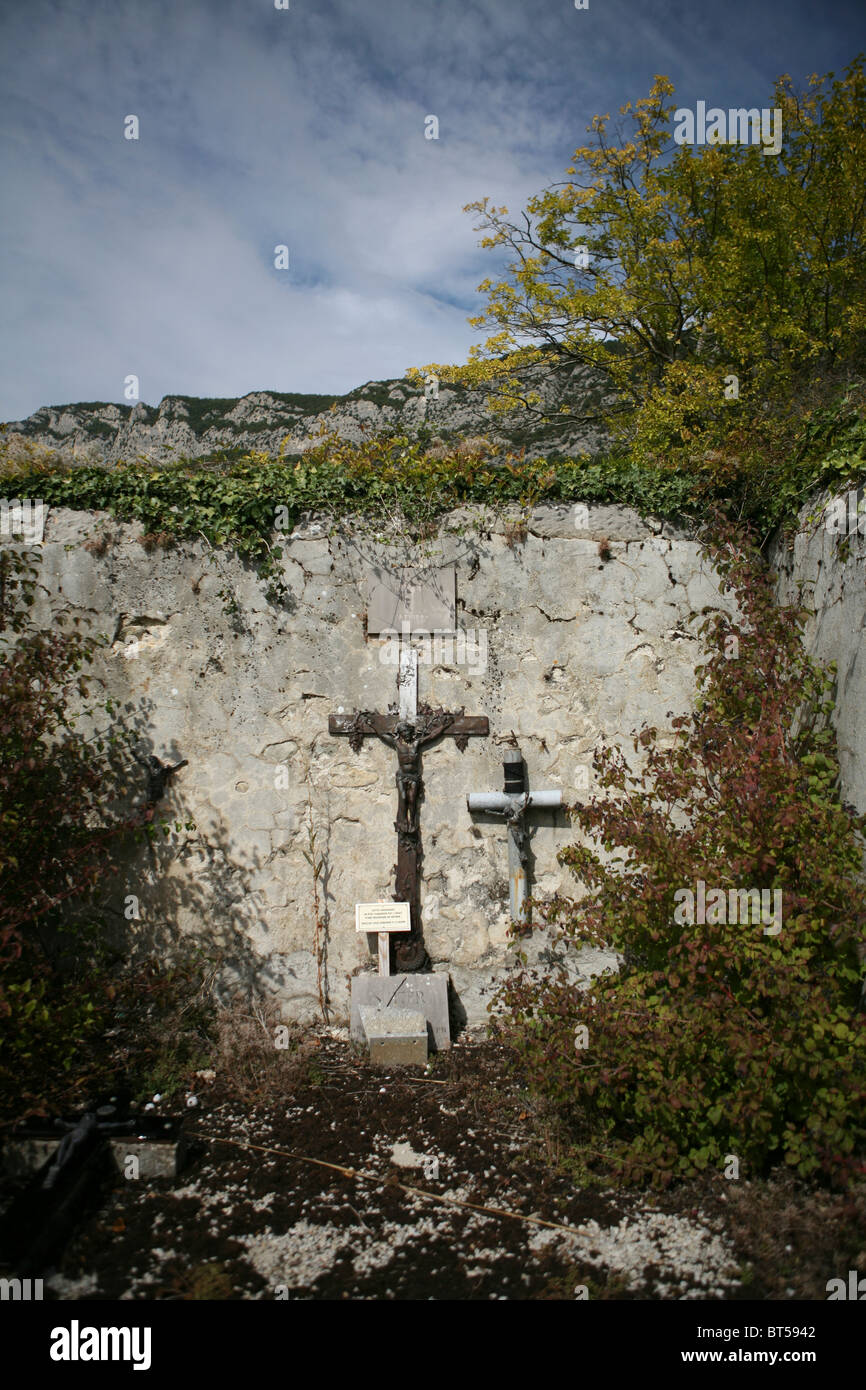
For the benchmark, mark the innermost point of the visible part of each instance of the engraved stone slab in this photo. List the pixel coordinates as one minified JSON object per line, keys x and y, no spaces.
{"x":405,"y":601}
{"x":426,"y":993}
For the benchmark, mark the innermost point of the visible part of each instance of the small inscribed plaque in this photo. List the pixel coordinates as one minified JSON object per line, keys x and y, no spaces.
{"x":378,"y":917}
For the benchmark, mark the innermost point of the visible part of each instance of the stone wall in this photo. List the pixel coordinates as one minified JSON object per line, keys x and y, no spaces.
{"x":580,"y":628}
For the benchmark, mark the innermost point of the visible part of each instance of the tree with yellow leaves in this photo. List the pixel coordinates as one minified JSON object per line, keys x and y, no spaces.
{"x":700,"y":280}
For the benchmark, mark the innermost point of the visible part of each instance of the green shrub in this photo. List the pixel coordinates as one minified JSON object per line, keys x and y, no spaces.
{"x":72,"y":1030}
{"x":52,"y":1030}
{"x":164,"y":1021}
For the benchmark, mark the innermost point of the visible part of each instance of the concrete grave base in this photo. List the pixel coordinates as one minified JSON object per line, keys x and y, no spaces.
{"x":426,"y":994}
{"x":397,"y":1037}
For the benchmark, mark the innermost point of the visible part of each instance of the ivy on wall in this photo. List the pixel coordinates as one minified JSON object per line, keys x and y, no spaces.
{"x":248,"y":503}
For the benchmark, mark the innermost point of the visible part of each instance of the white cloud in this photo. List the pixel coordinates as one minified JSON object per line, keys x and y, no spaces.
{"x":303,"y":127}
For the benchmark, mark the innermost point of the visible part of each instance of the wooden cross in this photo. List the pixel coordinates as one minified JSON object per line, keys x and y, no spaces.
{"x":409,"y":737}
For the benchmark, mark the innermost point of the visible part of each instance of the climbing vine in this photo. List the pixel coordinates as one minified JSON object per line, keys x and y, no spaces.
{"x":402,"y":484}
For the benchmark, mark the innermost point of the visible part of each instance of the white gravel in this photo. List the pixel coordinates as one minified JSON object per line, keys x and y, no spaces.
{"x":300,"y":1255}
{"x":680,"y":1251}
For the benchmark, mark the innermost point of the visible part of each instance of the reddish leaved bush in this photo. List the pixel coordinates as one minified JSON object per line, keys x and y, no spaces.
{"x":717,"y":1040}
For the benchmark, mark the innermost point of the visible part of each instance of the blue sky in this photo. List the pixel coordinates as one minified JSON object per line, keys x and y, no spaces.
{"x":305,"y":127}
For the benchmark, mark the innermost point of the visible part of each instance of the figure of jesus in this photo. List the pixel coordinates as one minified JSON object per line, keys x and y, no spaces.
{"x":409,"y":738}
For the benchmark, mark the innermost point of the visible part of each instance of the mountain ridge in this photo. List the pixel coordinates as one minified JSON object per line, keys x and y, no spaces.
{"x":105,"y":432}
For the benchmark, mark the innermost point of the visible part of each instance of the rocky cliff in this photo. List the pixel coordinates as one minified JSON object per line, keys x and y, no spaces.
{"x":216,"y":427}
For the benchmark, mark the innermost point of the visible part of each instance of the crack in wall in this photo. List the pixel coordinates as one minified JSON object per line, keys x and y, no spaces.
{"x":550,"y":619}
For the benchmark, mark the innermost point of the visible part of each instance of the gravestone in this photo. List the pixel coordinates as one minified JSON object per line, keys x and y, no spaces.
{"x":425,"y":993}
{"x":70,"y":1160}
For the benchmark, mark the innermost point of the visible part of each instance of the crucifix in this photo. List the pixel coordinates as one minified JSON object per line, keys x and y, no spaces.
{"x":513,"y":802}
{"x":418,"y":603}
{"x":408,"y":738}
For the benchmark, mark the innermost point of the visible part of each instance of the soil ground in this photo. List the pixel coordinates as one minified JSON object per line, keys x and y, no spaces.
{"x":252,"y":1216}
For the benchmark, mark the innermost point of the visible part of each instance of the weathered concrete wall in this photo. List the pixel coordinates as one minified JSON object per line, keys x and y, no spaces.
{"x":578,"y":647}
{"x":824,"y":569}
